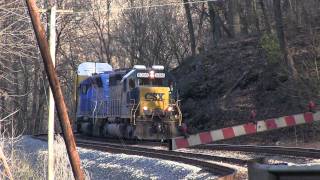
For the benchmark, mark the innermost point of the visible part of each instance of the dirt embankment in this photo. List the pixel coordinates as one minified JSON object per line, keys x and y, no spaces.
{"x":220,"y":88}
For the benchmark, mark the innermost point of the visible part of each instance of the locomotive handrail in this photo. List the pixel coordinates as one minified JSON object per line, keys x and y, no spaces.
{"x":179,"y":112}
{"x":131,"y":111}
{"x":94,"y":109}
{"x":134,"y":114}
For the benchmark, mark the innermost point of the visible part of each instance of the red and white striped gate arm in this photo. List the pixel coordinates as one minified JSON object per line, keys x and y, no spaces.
{"x":244,"y":129}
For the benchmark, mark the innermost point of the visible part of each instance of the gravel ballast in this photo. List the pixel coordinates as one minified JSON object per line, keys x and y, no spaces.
{"x":103,"y":165}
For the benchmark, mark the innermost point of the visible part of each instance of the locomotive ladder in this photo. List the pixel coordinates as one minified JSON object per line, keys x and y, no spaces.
{"x":133,"y":113}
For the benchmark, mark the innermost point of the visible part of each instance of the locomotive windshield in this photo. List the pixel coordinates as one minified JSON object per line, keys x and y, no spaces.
{"x":152,"y":82}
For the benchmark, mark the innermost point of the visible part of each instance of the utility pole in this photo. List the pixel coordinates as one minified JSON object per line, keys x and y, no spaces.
{"x":52,"y":46}
{"x":56,"y":90}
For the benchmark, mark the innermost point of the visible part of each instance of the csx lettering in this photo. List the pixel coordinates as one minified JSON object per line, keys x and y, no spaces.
{"x":154,"y":96}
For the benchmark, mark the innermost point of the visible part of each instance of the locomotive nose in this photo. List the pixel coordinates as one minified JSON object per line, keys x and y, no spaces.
{"x":153,"y":100}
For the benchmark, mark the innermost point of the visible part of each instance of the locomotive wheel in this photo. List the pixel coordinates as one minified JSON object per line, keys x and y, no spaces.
{"x":86,"y":128}
{"x":79,"y":128}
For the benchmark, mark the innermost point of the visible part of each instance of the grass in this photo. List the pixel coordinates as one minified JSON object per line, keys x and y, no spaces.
{"x":33,"y":166}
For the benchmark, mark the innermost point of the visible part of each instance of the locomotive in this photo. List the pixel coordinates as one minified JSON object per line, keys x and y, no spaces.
{"x":131,"y":103}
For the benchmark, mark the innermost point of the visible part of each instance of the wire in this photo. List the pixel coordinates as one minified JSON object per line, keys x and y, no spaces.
{"x":163,"y":5}
{"x":61,"y":11}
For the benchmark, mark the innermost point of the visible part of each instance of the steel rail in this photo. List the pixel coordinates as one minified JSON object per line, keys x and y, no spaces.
{"x":175,"y":153}
{"x":281,"y":150}
{"x":199,"y":160}
{"x":224,"y":173}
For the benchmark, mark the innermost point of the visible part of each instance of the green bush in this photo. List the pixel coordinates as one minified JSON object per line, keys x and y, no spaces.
{"x":269,"y":43}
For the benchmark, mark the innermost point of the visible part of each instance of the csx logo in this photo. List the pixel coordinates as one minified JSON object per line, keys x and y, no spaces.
{"x":154,"y":96}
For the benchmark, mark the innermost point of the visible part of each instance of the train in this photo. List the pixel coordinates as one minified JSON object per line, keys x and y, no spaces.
{"x":132,"y":103}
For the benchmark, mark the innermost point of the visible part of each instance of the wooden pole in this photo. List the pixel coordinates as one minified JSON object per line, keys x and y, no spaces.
{"x":56,"y":90}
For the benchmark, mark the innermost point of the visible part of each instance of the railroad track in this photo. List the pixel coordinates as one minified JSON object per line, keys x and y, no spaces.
{"x":199,"y":160}
{"x":122,"y":141}
{"x":175,"y":153}
{"x":280,"y":150}
{"x":224,"y":173}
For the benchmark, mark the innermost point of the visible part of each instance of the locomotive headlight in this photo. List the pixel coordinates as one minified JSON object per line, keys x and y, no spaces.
{"x":151,"y":74}
{"x":146,"y":111}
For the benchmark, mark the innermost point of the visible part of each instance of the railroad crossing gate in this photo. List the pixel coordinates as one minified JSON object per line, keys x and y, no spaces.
{"x":244,"y":129}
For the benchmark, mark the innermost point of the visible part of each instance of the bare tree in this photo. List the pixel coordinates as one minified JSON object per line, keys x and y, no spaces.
{"x":190,"y":27}
{"x":265,"y":16}
{"x":128,"y":32}
{"x":283,"y":39}
{"x":234,"y":17}
{"x":16,"y":57}
{"x":214,"y":23}
{"x":255,"y":16}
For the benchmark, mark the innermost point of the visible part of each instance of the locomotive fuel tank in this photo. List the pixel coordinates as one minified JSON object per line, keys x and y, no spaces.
{"x":118,"y":130}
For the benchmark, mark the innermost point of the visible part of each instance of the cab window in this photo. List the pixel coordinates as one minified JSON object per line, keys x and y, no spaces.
{"x":144,"y":82}
{"x":125,"y":85}
{"x":132,"y":84}
{"x":157,"y":82}
{"x":151,"y":82}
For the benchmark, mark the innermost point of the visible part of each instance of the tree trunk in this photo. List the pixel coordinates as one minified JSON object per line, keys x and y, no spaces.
{"x":234,"y":17}
{"x":35,"y":95}
{"x":200,"y":28}
{"x":245,"y":17}
{"x":265,"y":16}
{"x":40,"y":114}
{"x":214,"y":23}
{"x":190,"y":27}
{"x":282,"y":38}
{"x":17,"y":105}
{"x":108,"y":32}
{"x":24,"y":121}
{"x":2,"y":93}
{"x":255,"y":16}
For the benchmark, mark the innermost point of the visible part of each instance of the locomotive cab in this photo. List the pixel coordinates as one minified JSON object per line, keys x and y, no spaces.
{"x":151,"y":98}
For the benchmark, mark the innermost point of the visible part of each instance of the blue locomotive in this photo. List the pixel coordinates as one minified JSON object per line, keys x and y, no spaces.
{"x":127,"y":103}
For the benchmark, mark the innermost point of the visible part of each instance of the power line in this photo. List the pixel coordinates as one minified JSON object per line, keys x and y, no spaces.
{"x":163,"y":5}
{"x":71,"y":11}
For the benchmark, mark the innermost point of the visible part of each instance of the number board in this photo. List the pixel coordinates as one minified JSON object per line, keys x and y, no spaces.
{"x":147,"y":75}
